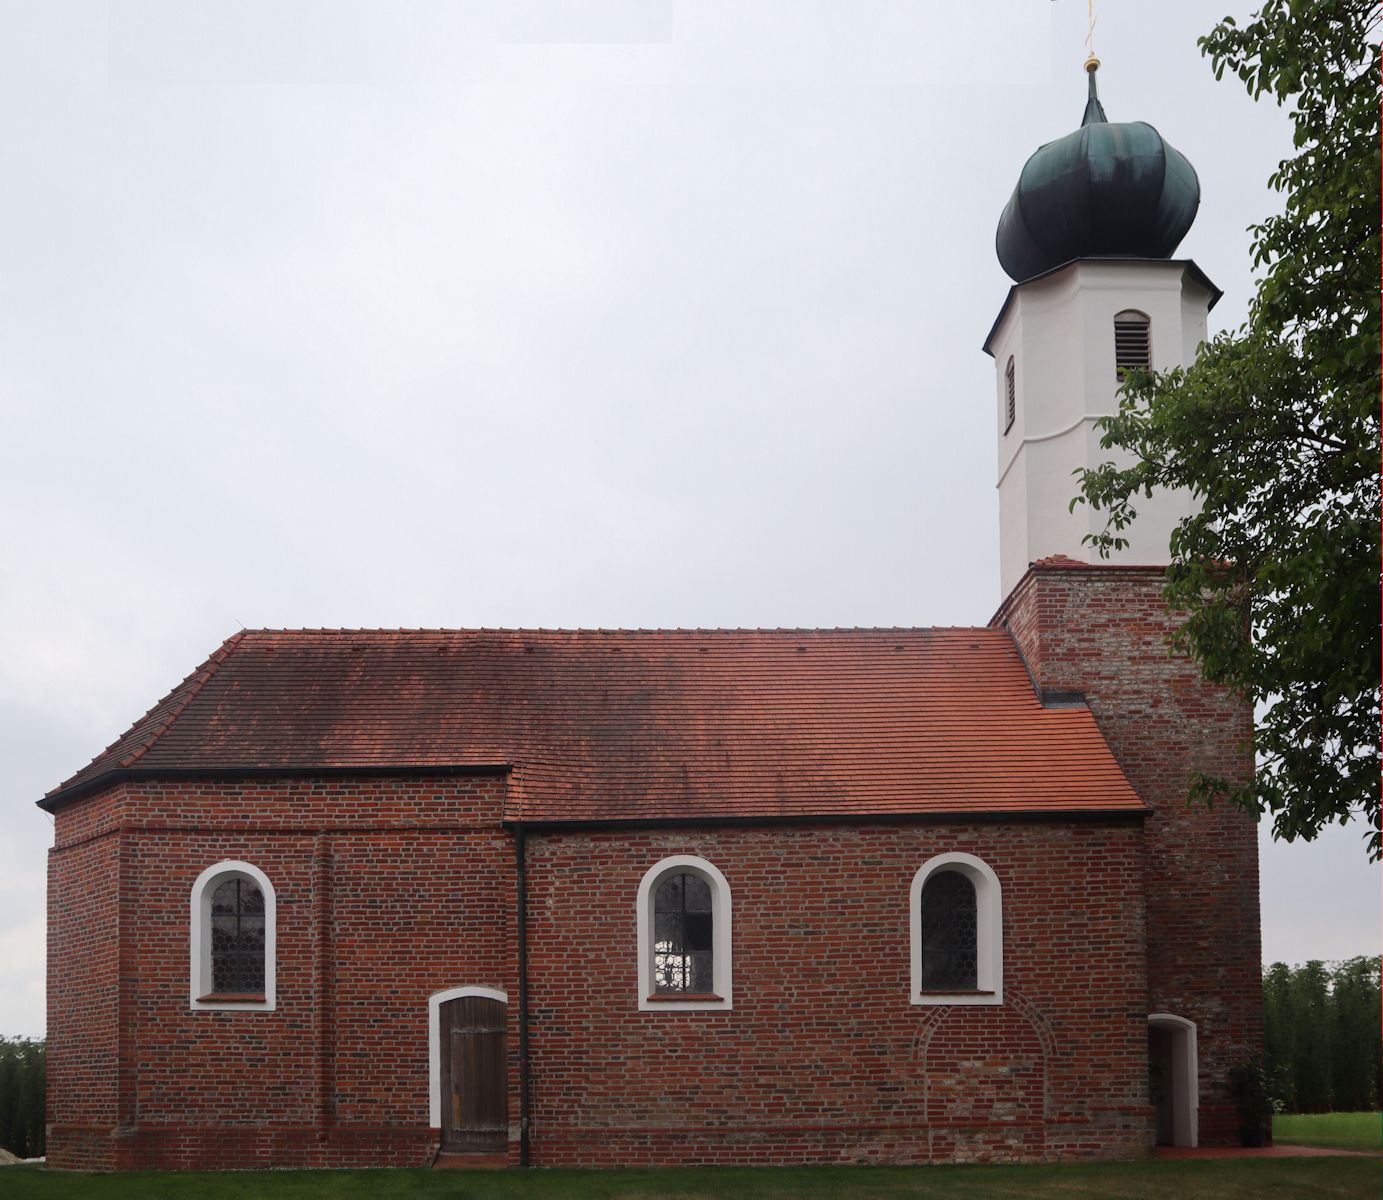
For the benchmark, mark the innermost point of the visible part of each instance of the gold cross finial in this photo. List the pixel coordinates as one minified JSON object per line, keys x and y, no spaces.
{"x":1091,"y":63}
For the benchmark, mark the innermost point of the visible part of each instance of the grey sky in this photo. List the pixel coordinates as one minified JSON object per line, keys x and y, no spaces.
{"x":608,"y":313}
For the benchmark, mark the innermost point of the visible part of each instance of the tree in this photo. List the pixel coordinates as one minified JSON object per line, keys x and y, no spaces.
{"x":1356,"y":1047}
{"x":1280,"y":1035}
{"x":22,"y":1091}
{"x":1275,"y":429}
{"x":1321,"y":1035}
{"x":1311,"y":1066}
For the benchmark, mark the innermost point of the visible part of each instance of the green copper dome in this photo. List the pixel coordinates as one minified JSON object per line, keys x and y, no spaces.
{"x":1117,"y":190}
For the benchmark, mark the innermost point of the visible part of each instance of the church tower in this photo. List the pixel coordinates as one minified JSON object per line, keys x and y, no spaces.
{"x":1087,"y":237}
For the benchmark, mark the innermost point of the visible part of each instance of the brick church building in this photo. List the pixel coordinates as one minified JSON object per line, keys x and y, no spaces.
{"x":595,"y":898}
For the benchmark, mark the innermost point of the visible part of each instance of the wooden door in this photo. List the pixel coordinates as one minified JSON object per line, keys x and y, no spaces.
{"x":475,"y":1075}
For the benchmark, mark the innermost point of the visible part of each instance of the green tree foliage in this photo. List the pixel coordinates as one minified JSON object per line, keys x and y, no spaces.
{"x":1275,"y":429}
{"x":1356,"y":1057}
{"x":23,"y":1089}
{"x":1321,"y":1035}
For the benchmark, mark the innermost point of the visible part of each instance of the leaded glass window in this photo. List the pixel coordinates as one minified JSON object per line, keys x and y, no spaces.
{"x":682,"y":935}
{"x":237,"y":938}
{"x":949,"y":933}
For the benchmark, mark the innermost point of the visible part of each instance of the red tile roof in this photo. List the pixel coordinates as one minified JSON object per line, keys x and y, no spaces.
{"x":1066,"y":563}
{"x":615,"y":724}
{"x":1061,"y":560}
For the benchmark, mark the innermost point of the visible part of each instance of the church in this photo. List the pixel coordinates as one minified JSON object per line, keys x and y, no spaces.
{"x":350,"y":898}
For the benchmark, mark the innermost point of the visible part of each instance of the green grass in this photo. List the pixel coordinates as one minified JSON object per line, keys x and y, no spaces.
{"x":1342,"y":1131}
{"x":1242,"y":1179}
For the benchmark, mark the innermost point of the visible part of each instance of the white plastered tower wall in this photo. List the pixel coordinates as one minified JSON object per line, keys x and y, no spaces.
{"x":1059,"y":331}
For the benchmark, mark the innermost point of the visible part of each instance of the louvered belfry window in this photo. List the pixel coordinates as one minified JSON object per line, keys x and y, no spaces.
{"x":237,"y":938}
{"x":1011,"y":398}
{"x":950,"y":931}
{"x":1132,"y":343}
{"x":682,"y":941}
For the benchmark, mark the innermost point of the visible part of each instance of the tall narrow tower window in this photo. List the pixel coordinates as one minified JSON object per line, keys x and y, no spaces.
{"x":1132,"y":343}
{"x":1010,"y":396}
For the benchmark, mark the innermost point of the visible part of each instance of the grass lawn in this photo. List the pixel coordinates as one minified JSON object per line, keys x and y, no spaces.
{"x":1249,"y":1179}
{"x":1343,"y":1131}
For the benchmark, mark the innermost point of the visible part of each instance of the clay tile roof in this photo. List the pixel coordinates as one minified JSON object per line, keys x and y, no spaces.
{"x":619,"y":724}
{"x":1066,"y":562}
{"x":1059,"y":560}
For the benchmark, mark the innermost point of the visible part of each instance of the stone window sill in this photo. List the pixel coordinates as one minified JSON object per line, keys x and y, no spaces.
{"x":675,"y":997}
{"x":956,"y":992}
{"x":232,"y":998}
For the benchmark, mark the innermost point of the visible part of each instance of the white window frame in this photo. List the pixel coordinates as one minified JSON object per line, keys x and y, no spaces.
{"x":989,"y":930}
{"x":434,"y":1041}
{"x":200,"y":936}
{"x":720,"y":935}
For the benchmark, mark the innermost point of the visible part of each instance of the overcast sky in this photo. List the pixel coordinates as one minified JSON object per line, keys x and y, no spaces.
{"x":528,"y":312}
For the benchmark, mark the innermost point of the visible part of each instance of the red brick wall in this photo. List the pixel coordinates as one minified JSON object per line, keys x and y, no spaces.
{"x":1103,"y":630}
{"x":83,"y":997}
{"x":823,"y":1057}
{"x":391,"y":890}
{"x":388,"y":891}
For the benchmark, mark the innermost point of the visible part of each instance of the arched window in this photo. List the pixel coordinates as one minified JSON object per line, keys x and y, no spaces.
{"x":233,"y":938}
{"x":1010,"y":396}
{"x":956,"y":919}
{"x":683,"y":924}
{"x":682,"y":935}
{"x":237,"y":937}
{"x":948,"y":933}
{"x":1132,"y":342}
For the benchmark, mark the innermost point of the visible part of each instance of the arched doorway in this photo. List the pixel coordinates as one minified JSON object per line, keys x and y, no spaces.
{"x":1173,"y":1080}
{"x":469,"y":1069}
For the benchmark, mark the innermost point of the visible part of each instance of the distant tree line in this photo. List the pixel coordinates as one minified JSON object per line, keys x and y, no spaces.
{"x":1324,"y":1051}
{"x":23,"y":1087}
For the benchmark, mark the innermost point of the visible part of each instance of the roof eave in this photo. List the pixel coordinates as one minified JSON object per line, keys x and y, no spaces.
{"x":117,"y":775}
{"x":1136,"y":811}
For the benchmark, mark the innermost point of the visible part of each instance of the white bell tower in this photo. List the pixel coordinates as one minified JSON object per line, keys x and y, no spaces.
{"x":1058,"y":345}
{"x":1088,"y":237}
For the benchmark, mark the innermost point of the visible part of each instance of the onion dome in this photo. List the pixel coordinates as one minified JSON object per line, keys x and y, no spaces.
{"x":1108,"y":189}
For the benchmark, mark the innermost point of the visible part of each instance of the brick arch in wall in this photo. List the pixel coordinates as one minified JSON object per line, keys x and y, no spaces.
{"x":1046,"y":1037}
{"x":1006,"y":1084}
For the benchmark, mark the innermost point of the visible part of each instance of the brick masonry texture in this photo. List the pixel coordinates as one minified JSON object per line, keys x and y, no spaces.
{"x":1103,"y":630}
{"x":823,"y":1057}
{"x":389,"y":891}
